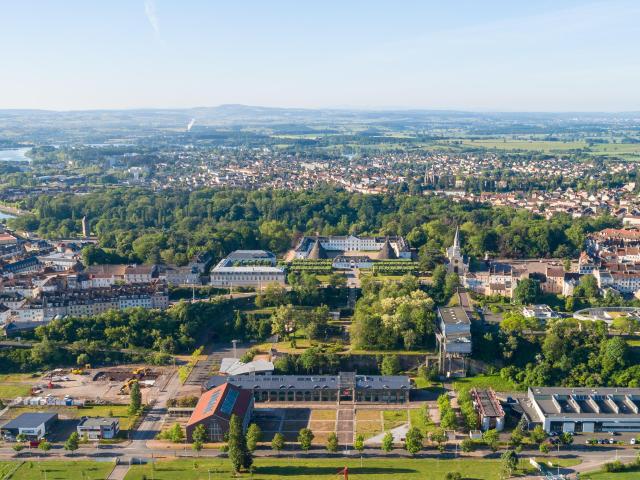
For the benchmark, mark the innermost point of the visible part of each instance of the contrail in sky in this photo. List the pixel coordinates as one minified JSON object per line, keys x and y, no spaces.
{"x":152,"y":16}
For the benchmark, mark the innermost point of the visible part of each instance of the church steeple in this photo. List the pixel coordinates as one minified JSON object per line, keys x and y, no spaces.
{"x":456,"y":239}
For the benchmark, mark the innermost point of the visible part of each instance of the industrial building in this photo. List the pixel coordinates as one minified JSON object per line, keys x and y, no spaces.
{"x":98,"y":428}
{"x":214,"y":410}
{"x":344,"y":387}
{"x":454,"y":341}
{"x":33,"y":425}
{"x":489,"y":409}
{"x":583,"y":409}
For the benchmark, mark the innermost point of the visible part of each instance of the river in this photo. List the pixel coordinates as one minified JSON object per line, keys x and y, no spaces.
{"x":14,"y":155}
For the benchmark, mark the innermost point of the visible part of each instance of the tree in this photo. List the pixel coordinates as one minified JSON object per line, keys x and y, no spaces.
{"x":44,"y":446}
{"x":516,"y":439}
{"x":332,"y":442}
{"x":254,"y":435}
{"x":277,"y":444}
{"x":466,"y":445}
{"x":492,"y":439}
{"x":358,"y":444}
{"x":239,"y":454}
{"x":538,"y":434}
{"x":544,"y":448}
{"x":82,"y":359}
{"x":73,"y":442}
{"x":199,"y":434}
{"x":566,"y":438}
{"x":453,"y":476}
{"x":449,"y":421}
{"x":588,"y":286}
{"x":387,"y":442}
{"x":305,"y":437}
{"x":509,"y":463}
{"x":197,"y":446}
{"x":439,"y":436}
{"x":390,"y":365}
{"x":135,"y":398}
{"x":284,"y":320}
{"x":526,"y":292}
{"x":413,"y":440}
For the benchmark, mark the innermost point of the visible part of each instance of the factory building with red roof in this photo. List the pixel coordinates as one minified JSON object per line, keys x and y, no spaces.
{"x":214,"y":410}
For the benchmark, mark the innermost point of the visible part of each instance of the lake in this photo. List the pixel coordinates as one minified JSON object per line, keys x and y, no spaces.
{"x":14,"y":155}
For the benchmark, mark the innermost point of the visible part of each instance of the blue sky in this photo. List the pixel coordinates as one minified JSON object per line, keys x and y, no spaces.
{"x":517,"y":55}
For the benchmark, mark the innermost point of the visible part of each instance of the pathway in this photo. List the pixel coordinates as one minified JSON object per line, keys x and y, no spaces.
{"x":119,"y":472}
{"x":345,"y":422}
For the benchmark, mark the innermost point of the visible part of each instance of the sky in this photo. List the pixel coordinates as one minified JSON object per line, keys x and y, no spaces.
{"x":490,"y":55}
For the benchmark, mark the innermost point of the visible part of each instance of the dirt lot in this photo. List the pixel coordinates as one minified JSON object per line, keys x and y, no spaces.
{"x":106,"y":387}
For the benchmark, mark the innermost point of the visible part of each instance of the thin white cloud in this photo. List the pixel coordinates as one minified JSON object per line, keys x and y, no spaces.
{"x":152,"y":16}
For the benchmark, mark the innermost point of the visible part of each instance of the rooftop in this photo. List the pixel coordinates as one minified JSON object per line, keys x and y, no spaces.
{"x":30,"y":420}
{"x":310,"y":382}
{"x":453,"y":315}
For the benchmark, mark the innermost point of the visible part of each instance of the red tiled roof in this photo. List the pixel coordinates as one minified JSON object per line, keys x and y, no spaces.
{"x":222,"y":401}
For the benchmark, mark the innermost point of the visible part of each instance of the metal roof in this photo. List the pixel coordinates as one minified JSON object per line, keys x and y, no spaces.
{"x":30,"y":420}
{"x":310,"y":382}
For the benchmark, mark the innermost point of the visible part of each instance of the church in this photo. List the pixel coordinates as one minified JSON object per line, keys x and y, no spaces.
{"x":456,"y":262}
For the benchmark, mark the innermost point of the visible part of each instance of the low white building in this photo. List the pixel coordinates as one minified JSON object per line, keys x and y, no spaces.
{"x":247,"y":268}
{"x":98,"y":428}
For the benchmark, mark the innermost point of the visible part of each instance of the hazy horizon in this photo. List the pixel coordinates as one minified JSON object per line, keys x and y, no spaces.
{"x":495,"y":56}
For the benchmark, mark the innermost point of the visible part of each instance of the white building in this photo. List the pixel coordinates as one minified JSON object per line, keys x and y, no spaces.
{"x":585,"y":410}
{"x":247,"y":268}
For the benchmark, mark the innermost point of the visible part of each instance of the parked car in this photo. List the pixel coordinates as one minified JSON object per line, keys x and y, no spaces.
{"x":632,"y":441}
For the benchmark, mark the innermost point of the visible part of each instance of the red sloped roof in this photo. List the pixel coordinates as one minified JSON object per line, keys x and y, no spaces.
{"x":222,"y":401}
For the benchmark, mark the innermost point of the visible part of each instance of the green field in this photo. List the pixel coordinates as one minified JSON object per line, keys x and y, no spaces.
{"x":322,"y":469}
{"x":496,"y":382}
{"x":14,"y":385}
{"x":419,"y":420}
{"x":537,"y":145}
{"x":61,"y":470}
{"x":119,"y":411}
{"x":630,"y":474}
{"x":394,"y":418}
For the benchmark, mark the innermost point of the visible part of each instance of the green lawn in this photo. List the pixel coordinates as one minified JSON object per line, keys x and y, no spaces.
{"x":394,"y":418}
{"x":63,"y":470}
{"x":630,"y":474}
{"x":418,"y":419}
{"x":495,"y":381}
{"x":14,"y":385}
{"x":322,"y":469}
{"x":119,"y":411}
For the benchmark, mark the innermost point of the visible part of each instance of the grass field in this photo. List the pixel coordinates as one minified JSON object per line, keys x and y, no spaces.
{"x":63,"y":470}
{"x":322,"y":469}
{"x":418,"y":419}
{"x":14,"y":385}
{"x":631,"y":474}
{"x":537,"y":145}
{"x":119,"y":411}
{"x":484,"y":381}
{"x":394,"y":418}
{"x":324,"y":415}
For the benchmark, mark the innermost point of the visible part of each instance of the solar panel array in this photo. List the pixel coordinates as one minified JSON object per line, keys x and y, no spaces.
{"x":212,"y":401}
{"x":229,"y":402}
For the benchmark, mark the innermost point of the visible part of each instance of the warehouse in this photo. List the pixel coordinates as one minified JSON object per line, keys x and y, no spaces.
{"x":344,"y":387}
{"x":33,"y":425}
{"x":583,"y":409}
